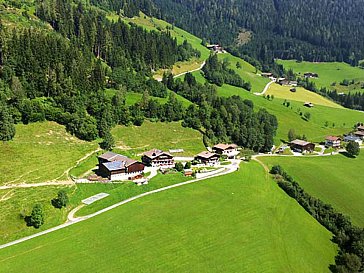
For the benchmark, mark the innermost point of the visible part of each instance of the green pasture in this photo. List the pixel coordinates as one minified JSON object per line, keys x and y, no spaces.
{"x":237,"y":223}
{"x":336,"y":180}
{"x":40,"y":152}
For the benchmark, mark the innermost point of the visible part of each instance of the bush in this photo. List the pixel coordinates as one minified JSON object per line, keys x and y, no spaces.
{"x":353,"y":148}
{"x":61,"y":200}
{"x":36,"y":218}
{"x":188,"y":165}
{"x":179,"y":167}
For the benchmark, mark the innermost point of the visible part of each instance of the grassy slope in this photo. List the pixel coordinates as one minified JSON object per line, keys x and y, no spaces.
{"x":289,"y":118}
{"x":328,"y":72}
{"x":16,"y":203}
{"x":301,"y":94}
{"x":336,"y":180}
{"x":40,"y":152}
{"x":240,"y":223}
{"x":247,"y":72}
{"x":159,"y":135}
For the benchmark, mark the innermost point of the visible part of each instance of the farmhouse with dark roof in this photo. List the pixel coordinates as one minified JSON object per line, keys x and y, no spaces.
{"x":118,"y":167}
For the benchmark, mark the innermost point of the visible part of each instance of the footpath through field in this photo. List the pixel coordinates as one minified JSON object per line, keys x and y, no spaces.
{"x":72,"y":220}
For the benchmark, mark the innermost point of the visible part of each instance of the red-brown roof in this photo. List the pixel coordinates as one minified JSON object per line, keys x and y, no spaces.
{"x":333,"y":138}
{"x":221,"y":146}
{"x":155,"y":153}
{"x":206,"y":155}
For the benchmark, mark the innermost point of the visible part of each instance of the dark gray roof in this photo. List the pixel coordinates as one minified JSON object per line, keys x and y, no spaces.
{"x":108,"y":156}
{"x":351,"y":138}
{"x":115,"y":165}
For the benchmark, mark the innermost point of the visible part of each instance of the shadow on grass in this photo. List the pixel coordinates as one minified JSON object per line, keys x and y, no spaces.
{"x":346,"y":154}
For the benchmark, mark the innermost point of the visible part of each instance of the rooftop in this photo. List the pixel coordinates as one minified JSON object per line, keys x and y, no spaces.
{"x":333,"y":138}
{"x":206,"y":155}
{"x":300,"y":142}
{"x":225,"y":146}
{"x":155,"y":153}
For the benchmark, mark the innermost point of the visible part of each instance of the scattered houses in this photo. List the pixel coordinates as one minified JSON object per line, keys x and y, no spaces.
{"x":351,"y":138}
{"x":228,"y":150}
{"x":308,"y":104}
{"x":285,"y":82}
{"x":309,"y":75}
{"x":118,"y":167}
{"x":302,"y":146}
{"x":208,"y":158}
{"x":158,"y":158}
{"x":333,"y":142}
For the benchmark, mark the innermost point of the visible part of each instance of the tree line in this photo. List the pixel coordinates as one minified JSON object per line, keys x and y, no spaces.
{"x":294,"y":29}
{"x":61,"y":75}
{"x":224,"y":119}
{"x":349,"y":238}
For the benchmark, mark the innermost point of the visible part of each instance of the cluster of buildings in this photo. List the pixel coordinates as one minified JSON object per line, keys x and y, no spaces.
{"x":330,"y":141}
{"x":116,"y":167}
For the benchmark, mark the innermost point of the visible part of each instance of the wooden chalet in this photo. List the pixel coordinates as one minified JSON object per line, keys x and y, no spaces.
{"x":228,"y":150}
{"x":333,"y":142}
{"x":158,"y":158}
{"x":360,"y":128}
{"x":118,"y":167}
{"x":359,"y":134}
{"x":302,"y":146}
{"x":208,"y":158}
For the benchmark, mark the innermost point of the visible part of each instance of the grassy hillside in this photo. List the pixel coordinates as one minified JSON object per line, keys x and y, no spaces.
{"x":159,"y":135}
{"x":329,"y":73}
{"x":289,"y":117}
{"x":239,"y":223}
{"x":40,"y":152}
{"x":247,"y":72}
{"x":336,"y":180}
{"x":301,"y":94}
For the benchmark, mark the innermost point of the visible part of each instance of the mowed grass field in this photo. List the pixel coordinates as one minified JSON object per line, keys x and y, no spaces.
{"x":329,"y":73}
{"x":40,"y":152}
{"x":164,"y":136}
{"x":301,"y":94}
{"x":340,"y":120}
{"x":237,"y":223}
{"x":336,"y":180}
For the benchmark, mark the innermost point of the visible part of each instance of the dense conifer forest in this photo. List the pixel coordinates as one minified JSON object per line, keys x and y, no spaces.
{"x":288,"y":29}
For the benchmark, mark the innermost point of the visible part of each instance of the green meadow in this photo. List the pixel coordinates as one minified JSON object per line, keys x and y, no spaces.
{"x":40,"y":152}
{"x":329,"y":73}
{"x":339,"y":120}
{"x":336,"y":180}
{"x":161,"y":135}
{"x":247,"y":72}
{"x":237,"y":223}
{"x":301,"y":94}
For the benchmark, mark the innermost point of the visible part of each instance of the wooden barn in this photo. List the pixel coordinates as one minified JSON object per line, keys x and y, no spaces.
{"x":118,"y":167}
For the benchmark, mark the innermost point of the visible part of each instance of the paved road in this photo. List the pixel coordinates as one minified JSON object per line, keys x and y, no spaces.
{"x":265,"y":88}
{"x":72,"y":220}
